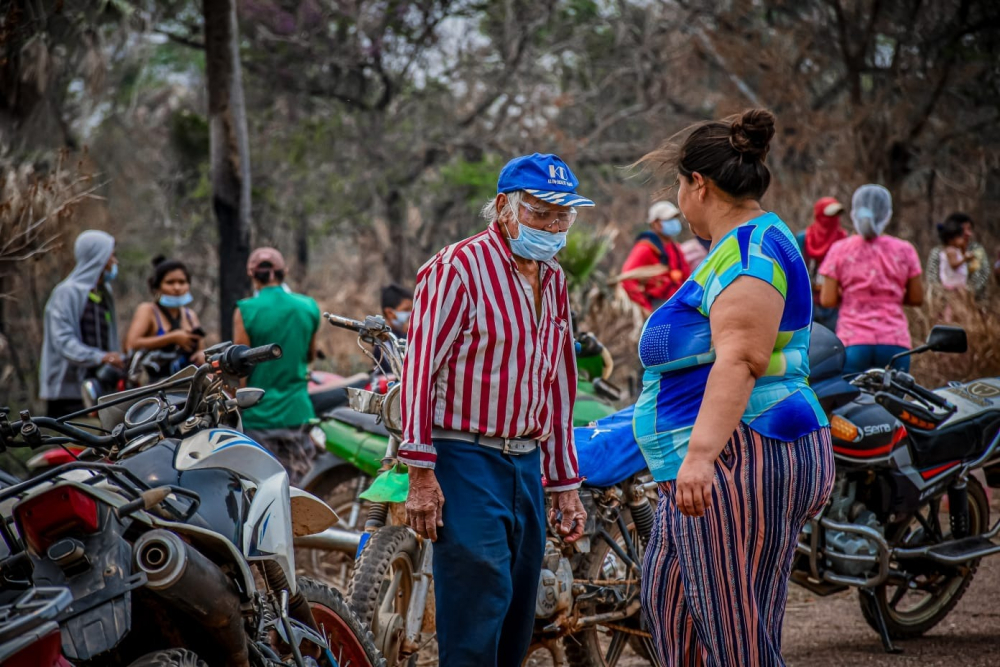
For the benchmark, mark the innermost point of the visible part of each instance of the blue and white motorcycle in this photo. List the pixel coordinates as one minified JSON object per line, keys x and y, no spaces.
{"x":174,"y":532}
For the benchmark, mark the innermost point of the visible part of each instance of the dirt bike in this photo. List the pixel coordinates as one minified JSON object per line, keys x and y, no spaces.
{"x":356,"y":443}
{"x":178,"y":526}
{"x":587,"y":608}
{"x":901,"y":450}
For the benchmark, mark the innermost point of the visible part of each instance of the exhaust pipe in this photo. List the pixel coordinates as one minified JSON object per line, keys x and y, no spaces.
{"x":194,"y":585}
{"x":331,"y":539}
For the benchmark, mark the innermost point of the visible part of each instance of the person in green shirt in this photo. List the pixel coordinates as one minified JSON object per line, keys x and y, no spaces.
{"x":277,"y":315}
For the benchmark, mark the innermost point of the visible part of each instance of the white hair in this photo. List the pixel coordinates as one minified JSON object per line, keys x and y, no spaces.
{"x":490,"y":208}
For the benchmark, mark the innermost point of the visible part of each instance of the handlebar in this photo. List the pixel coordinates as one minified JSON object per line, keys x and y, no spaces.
{"x":909,"y":384}
{"x":235,"y":360}
{"x":239,"y":360}
{"x":345,"y":322}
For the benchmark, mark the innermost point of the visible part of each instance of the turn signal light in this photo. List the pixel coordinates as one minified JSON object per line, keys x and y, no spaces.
{"x":45,"y":517}
{"x":841,"y":429}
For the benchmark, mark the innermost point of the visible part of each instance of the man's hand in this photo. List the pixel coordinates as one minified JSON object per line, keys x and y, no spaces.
{"x":574,"y":517}
{"x":113,"y":359}
{"x":693,"y":489}
{"x":424,"y":503}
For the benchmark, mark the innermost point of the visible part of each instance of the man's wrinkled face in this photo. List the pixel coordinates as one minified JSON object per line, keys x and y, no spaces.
{"x":535,"y":213}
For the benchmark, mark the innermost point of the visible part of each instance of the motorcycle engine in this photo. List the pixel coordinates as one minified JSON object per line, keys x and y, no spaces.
{"x":845,"y":509}
{"x":555,"y":585}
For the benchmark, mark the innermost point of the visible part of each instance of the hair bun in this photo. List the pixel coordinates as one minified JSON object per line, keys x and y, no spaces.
{"x":159,"y":259}
{"x":752,"y":132}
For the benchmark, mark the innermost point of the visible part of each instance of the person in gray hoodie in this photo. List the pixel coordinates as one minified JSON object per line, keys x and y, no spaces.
{"x":81,"y":332}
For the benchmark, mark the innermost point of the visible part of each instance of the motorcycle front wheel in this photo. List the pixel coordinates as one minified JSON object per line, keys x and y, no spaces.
{"x":350,"y":640}
{"x":911,"y":609}
{"x":382,"y":589}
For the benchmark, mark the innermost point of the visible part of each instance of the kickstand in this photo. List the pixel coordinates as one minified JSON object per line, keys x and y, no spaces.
{"x":869,"y":600}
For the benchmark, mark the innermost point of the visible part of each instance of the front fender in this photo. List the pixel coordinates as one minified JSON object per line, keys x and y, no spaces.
{"x":323,"y":464}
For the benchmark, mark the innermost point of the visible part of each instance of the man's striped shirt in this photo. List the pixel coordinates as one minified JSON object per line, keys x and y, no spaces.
{"x":481,"y":360}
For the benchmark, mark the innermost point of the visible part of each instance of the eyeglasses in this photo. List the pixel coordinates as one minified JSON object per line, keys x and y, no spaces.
{"x":550,"y":219}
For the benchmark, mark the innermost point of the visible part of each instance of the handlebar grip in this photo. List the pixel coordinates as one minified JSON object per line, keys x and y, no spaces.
{"x":258,"y":355}
{"x":344,"y":322}
{"x":930,"y":397}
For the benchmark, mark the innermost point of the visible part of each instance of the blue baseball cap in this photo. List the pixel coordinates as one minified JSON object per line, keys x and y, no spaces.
{"x":544,"y":176}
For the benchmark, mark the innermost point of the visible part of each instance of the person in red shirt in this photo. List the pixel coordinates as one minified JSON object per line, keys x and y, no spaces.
{"x":656,"y":267}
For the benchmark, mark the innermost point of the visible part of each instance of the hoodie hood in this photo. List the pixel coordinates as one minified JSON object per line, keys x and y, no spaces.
{"x":825,"y":229}
{"x":92,"y":250}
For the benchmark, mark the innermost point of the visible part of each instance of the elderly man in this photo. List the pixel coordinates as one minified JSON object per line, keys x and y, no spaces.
{"x":488,"y":393}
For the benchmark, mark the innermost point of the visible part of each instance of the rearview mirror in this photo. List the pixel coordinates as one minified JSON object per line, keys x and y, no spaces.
{"x":247,"y":397}
{"x":947,"y":339}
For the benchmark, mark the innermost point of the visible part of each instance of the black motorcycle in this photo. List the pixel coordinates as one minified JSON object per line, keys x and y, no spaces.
{"x":901,"y":451}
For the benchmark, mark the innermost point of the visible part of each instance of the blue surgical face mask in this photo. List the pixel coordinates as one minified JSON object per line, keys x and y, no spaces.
{"x":671,"y":227}
{"x":402,"y":317}
{"x":536,"y":244}
{"x":170,"y":301}
{"x":111,"y":274}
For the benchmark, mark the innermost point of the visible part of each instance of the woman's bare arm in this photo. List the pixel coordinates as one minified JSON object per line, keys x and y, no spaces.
{"x":829,"y":294}
{"x":914,"y":292}
{"x":743,"y":339}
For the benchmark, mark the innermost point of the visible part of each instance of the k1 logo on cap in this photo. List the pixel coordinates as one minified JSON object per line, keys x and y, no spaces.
{"x":545,"y":176}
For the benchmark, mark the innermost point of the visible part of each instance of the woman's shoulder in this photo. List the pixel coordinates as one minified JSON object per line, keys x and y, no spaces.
{"x":145,"y":309}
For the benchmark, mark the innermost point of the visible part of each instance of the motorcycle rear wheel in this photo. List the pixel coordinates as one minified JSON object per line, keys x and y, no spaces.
{"x":175,"y":657}
{"x":947,"y":588}
{"x":603,"y":646}
{"x":382,"y":586}
{"x":350,"y":640}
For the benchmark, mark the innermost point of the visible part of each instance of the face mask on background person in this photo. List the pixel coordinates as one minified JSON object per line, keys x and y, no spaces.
{"x":111,"y":274}
{"x":171,"y":301}
{"x":534,"y":243}
{"x":671,"y":227}
{"x":400,"y":320}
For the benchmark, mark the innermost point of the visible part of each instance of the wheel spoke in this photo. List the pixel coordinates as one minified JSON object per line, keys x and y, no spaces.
{"x":615,"y":648}
{"x":389,"y":601}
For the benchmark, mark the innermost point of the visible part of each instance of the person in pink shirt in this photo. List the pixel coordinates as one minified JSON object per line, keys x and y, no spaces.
{"x":871,"y":276}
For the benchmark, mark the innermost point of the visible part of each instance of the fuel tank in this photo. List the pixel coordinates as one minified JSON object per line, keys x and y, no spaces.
{"x":874,"y":435}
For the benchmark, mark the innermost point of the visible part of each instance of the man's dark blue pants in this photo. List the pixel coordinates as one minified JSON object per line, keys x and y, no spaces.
{"x":488,"y":555}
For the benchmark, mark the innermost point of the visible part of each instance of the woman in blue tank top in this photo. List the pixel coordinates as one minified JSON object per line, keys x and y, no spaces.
{"x":726,"y":419}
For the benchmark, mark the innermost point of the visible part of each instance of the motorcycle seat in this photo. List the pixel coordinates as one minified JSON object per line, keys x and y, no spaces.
{"x":964,"y":438}
{"x":360,"y":421}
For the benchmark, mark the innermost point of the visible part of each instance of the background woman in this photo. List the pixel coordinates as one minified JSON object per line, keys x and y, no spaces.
{"x":739,"y":478}
{"x":167,"y":323}
{"x":872,"y":275}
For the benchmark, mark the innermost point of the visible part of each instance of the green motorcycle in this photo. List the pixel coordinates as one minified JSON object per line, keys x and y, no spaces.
{"x":356,"y":444}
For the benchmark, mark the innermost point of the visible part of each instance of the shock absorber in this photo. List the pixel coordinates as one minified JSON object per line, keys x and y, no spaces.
{"x":642,"y":515}
{"x":377,"y":515}
{"x":958,"y":509}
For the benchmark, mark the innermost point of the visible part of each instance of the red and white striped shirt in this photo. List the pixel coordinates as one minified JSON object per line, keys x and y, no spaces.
{"x":479,"y":359}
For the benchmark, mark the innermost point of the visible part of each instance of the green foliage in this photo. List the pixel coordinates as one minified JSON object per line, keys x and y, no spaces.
{"x":189,"y":136}
{"x":477,"y":179}
{"x":583,"y":253}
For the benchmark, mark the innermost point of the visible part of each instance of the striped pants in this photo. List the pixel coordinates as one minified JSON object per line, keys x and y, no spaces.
{"x":714,"y":587}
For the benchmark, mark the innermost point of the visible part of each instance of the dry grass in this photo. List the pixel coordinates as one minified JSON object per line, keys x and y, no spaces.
{"x":981,"y":322}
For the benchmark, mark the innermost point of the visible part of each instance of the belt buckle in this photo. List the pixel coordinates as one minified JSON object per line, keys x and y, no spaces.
{"x":506,"y":446}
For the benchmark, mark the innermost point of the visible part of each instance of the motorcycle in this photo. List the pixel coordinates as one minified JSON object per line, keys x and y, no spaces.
{"x":587,"y":608}
{"x":29,"y":634}
{"x":356,"y":443}
{"x":179,"y":524}
{"x":901,"y":450}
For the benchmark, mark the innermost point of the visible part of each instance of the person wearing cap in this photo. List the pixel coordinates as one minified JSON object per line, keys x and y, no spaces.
{"x":656,"y":251}
{"x":815,"y":242}
{"x":487,"y":398}
{"x":277,"y":315}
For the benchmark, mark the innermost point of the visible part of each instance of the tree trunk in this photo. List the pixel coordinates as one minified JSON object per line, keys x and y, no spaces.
{"x":395,"y":253}
{"x":230,"y":155}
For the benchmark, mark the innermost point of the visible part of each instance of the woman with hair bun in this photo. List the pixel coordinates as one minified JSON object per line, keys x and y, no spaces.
{"x":167,"y":323}
{"x":727,"y":422}
{"x":871,"y":276}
